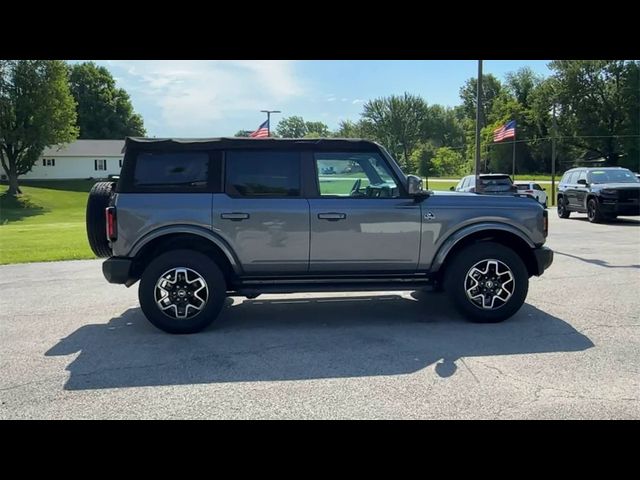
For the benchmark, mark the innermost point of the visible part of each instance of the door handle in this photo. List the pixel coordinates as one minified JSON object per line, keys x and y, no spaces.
{"x":236,"y":217}
{"x":331,"y":216}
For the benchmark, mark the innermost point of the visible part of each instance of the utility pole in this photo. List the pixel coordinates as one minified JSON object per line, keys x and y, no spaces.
{"x":478,"y":121}
{"x":554,"y":127}
{"x":269,"y":112}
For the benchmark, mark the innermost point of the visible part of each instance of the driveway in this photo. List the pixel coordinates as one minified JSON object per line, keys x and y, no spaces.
{"x":74,"y":346}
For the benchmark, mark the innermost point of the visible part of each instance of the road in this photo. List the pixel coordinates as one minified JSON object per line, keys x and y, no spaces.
{"x":74,"y":346}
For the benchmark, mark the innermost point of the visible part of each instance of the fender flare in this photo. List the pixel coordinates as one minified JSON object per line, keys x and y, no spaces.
{"x":464,"y":232}
{"x":193,"y":230}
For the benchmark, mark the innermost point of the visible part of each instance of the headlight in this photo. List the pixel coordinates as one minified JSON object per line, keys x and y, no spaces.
{"x":609,"y":191}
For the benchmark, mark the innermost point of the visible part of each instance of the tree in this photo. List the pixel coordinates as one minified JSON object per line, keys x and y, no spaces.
{"x":447,"y":163}
{"x":422,"y":158}
{"x":104,"y":111}
{"x":243,"y":133}
{"x":296,"y":127}
{"x":398,"y":122}
{"x":599,"y":107}
{"x":292,"y":127}
{"x":491,"y":88}
{"x":316,"y":130}
{"x":37,"y":110}
{"x":349,"y":129}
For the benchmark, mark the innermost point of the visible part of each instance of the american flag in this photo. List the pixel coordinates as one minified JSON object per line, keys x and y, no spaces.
{"x":508,"y":130}
{"x":262,"y":131}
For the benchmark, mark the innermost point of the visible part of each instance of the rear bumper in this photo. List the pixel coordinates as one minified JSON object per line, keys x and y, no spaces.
{"x":544,"y":259}
{"x":117,"y":270}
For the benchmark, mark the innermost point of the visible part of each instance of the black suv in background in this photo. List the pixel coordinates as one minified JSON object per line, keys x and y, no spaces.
{"x":601,"y":193}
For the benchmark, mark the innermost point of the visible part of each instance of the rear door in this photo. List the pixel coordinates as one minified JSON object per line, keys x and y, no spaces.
{"x":362,"y":220}
{"x":262,"y":213}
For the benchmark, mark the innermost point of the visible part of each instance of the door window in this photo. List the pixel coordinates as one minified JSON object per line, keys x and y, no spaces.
{"x":263,"y":173}
{"x":354,"y":175}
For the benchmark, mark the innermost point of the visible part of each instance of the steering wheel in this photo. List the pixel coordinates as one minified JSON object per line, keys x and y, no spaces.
{"x":355,"y":190}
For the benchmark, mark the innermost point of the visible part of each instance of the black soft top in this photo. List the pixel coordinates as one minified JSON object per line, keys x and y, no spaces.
{"x":348,"y":144}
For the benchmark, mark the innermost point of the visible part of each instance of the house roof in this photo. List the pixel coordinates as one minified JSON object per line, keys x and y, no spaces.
{"x":86,"y":148}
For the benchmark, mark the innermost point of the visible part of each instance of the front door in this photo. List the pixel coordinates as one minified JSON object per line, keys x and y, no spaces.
{"x":361,"y":218}
{"x":262,"y":213}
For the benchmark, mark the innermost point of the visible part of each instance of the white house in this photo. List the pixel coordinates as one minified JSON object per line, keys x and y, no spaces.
{"x":80,"y":159}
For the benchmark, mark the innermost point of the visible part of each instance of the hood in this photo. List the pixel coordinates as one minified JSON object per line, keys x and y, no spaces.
{"x":629,"y":186}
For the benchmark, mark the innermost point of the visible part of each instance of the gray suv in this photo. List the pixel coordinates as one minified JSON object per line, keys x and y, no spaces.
{"x":197,"y":220}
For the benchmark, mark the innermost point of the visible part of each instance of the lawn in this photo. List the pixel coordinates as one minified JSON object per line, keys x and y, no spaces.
{"x":46,"y":223}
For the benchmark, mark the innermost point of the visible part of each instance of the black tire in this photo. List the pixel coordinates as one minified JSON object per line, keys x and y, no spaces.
{"x":456,"y":279}
{"x":563,"y":212}
{"x":594,"y":214}
{"x":99,"y":198}
{"x":197,"y":262}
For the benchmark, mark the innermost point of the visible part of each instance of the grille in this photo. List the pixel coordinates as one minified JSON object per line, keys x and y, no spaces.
{"x":626,"y":195}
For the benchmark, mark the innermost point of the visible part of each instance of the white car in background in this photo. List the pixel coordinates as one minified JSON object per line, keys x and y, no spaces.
{"x":534,"y":190}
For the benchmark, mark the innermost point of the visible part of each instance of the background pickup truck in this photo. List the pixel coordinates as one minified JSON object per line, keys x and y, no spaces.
{"x":198,"y":220}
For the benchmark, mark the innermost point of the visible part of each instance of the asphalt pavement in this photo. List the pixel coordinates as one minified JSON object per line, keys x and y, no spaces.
{"x":74,"y":346}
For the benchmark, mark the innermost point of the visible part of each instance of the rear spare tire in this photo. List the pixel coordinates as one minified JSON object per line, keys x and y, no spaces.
{"x":99,"y":198}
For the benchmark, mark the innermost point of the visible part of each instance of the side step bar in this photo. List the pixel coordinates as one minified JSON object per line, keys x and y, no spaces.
{"x":254,"y":290}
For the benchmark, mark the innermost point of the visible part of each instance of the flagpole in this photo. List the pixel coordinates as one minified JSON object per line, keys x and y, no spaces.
{"x":514,"y":154}
{"x":269,"y":112}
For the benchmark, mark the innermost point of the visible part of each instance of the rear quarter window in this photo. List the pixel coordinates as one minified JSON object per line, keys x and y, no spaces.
{"x":180,"y":169}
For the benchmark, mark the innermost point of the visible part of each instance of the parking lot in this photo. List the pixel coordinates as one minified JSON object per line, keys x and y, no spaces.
{"x":74,"y":346}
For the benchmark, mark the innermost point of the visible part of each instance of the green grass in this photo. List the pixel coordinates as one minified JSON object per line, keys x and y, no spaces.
{"x":45,"y":223}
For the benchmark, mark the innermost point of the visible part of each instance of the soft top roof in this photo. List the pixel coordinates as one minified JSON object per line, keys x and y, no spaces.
{"x":243,"y":142}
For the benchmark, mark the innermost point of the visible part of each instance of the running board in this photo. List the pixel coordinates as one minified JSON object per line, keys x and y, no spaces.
{"x":255,"y":289}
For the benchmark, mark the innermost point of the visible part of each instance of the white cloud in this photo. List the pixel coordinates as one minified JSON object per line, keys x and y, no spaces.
{"x":344,"y":99}
{"x":357,"y":100}
{"x":193,"y":93}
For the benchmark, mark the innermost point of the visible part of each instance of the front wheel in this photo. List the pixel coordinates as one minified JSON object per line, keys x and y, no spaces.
{"x":487,"y":282}
{"x":562,"y":208}
{"x":182,"y":291}
{"x":594,"y":214}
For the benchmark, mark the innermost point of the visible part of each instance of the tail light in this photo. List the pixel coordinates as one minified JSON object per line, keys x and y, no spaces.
{"x":528,"y":191}
{"x":545,"y":217}
{"x":112,"y":224}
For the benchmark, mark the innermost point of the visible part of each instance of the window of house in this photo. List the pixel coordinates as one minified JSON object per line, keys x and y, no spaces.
{"x":258,"y":173}
{"x":100,"y":164}
{"x":48,"y":162}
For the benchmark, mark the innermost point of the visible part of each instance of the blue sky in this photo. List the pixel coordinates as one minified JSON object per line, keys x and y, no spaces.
{"x":198,"y":98}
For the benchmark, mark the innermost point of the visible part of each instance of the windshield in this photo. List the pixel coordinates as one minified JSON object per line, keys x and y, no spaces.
{"x":612,"y":176}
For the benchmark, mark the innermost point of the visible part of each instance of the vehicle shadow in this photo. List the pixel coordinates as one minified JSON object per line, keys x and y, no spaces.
{"x":600,"y":263}
{"x":622,"y":222}
{"x":313,"y":338}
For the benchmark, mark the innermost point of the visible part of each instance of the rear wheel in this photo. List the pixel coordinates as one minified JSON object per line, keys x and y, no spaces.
{"x":562,"y":208}
{"x":182,"y":291}
{"x":98,"y":201}
{"x":487,"y":282}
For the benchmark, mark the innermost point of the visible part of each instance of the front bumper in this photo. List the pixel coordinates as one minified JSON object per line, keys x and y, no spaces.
{"x":544,"y":259}
{"x":620,"y":208}
{"x":117,"y":270}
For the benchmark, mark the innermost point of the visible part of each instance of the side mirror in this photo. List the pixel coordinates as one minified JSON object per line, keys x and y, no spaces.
{"x":582,"y":181}
{"x":414,"y":185}
{"x":452,"y":189}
